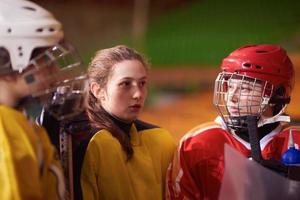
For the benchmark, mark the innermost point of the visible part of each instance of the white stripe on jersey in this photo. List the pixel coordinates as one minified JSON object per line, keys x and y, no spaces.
{"x":194,"y":132}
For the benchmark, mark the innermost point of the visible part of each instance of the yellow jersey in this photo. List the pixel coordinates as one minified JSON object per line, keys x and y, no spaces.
{"x":106,"y":173}
{"x":29,"y":166}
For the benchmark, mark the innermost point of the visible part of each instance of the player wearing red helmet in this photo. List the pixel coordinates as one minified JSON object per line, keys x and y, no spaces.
{"x":255,"y":83}
{"x":268,"y":71}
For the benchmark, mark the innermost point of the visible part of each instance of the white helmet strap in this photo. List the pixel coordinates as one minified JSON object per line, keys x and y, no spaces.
{"x":279,"y":117}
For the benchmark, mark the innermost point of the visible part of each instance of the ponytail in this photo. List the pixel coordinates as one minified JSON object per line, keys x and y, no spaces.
{"x":99,"y":119}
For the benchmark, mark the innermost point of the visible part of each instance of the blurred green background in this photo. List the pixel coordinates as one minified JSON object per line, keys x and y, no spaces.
{"x":189,"y":33}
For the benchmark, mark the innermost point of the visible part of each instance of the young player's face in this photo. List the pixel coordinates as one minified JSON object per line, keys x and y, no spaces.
{"x":126,"y":90}
{"x":39,"y":80}
{"x":31,"y":82}
{"x":243,"y":97}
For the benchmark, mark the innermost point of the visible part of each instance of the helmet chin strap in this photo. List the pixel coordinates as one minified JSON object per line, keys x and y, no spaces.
{"x":276,"y":118}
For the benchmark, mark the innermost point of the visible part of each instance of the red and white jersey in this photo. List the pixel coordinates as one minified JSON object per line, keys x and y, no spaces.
{"x":198,"y":165}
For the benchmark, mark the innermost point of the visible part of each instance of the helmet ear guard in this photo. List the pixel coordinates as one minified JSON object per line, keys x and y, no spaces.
{"x":5,"y":65}
{"x":279,"y":97}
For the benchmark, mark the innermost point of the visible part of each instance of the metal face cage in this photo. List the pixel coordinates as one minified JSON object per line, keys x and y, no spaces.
{"x":52,"y":67}
{"x":52,"y":71}
{"x":237,"y":96}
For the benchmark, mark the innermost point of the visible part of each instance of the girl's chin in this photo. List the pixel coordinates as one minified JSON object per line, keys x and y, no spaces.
{"x":129,"y":117}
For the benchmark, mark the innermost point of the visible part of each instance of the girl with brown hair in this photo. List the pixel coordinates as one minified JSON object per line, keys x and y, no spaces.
{"x":125,"y":157}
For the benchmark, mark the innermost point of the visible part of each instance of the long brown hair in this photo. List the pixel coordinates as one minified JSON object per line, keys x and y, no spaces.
{"x":99,"y":71}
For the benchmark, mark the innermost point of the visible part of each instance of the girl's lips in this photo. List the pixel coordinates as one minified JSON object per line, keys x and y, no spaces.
{"x":135,"y":107}
{"x":233,"y":110}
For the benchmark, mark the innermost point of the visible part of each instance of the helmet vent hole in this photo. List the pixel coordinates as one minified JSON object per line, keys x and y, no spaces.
{"x":29,"y":8}
{"x":39,"y":30}
{"x":9,"y":30}
{"x":261,"y":51}
{"x":247,"y":65}
{"x":278,"y":70}
{"x":258,"y":67}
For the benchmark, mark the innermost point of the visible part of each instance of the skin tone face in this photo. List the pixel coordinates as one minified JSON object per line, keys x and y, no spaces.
{"x":126,"y":90}
{"x":44,"y":78}
{"x":42,"y":74}
{"x":243,"y":97}
{"x":14,"y":87}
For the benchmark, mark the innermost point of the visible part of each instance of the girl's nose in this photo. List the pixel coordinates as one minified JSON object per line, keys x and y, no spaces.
{"x":233,"y":94}
{"x":137,"y":94}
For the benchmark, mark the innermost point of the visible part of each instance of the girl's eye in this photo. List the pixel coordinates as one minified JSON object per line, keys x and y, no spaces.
{"x":143,"y":83}
{"x":125,"y":84}
{"x":247,"y":89}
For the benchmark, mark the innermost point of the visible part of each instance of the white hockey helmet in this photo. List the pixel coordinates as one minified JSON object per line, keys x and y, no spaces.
{"x":32,"y":45}
{"x":25,"y":26}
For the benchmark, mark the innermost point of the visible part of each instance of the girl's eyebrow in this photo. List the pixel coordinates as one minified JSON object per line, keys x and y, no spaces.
{"x":130,"y":78}
{"x":126,"y":78}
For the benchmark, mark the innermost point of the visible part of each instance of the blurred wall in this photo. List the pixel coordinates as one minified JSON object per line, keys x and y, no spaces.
{"x":178,"y":32}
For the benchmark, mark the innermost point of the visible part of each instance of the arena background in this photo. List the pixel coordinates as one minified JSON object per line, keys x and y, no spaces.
{"x":185,"y":41}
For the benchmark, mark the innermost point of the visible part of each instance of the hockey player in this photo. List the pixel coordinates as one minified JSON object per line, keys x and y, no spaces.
{"x":125,"y":157}
{"x":34,"y":60}
{"x":255,"y":81}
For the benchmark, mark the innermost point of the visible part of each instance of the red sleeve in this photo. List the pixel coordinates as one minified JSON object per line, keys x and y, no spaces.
{"x":180,"y":182}
{"x":197,"y":168}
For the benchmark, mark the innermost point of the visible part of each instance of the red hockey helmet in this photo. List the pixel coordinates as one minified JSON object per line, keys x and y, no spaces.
{"x":268,"y":76}
{"x":264,"y":62}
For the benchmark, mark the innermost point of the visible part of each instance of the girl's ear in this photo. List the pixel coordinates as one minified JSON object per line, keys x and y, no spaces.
{"x":97,"y":91}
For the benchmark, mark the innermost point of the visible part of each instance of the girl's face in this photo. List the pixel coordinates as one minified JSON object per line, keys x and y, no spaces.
{"x":244,"y":97}
{"x":126,"y":90}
